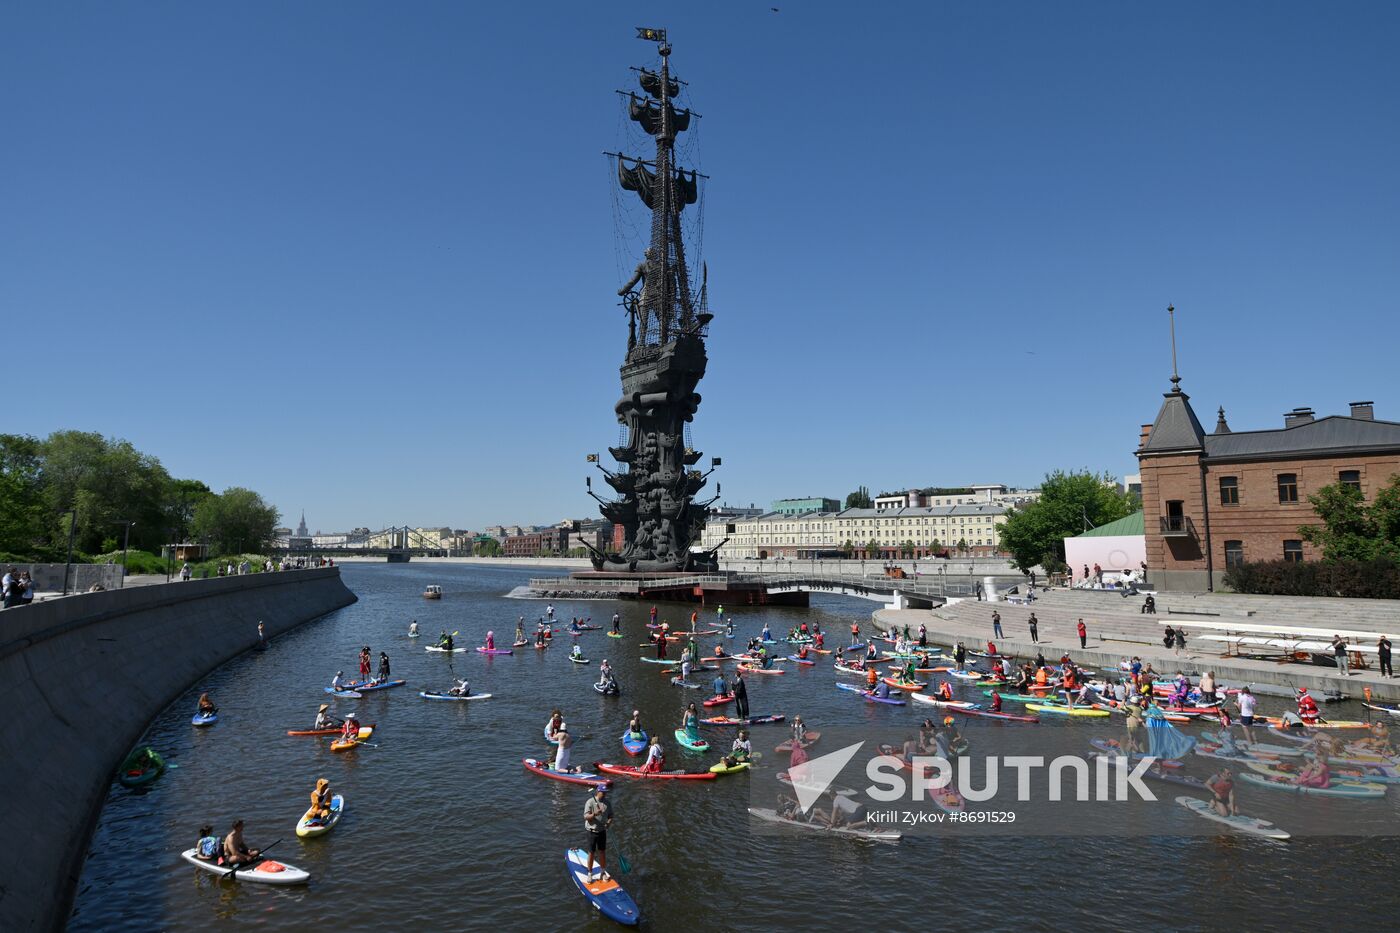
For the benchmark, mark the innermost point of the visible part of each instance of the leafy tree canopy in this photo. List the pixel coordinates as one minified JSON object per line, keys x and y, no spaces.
{"x":1351,"y":530}
{"x":1069,"y":504}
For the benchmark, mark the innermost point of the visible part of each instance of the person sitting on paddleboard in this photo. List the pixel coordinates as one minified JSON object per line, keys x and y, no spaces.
{"x":872,"y":677}
{"x":236,"y":851}
{"x":324,"y":721}
{"x":945,"y":692}
{"x":741,"y":750}
{"x":882,"y":691}
{"x":656,"y":759}
{"x":321,"y":800}
{"x":799,"y":756}
{"x":765,"y":660}
{"x":413,"y":627}
{"x":1222,"y":786}
{"x":463,"y":689}
{"x":206,"y":705}
{"x":802,"y":652}
{"x":445,"y":640}
{"x":207,"y":848}
{"x":1307,"y":707}
{"x":634,"y":727}
{"x":350,"y":728}
{"x":577,"y":651}
{"x":870,"y":653}
{"x":1315,"y":773}
{"x":908,"y":674}
{"x":996,"y":701}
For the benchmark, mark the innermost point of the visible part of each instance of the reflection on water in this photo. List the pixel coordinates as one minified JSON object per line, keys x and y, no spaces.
{"x":444,"y":829}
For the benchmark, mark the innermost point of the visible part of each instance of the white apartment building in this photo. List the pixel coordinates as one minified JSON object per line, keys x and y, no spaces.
{"x":862,"y":533}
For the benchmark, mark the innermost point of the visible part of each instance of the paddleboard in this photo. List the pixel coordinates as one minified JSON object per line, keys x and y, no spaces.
{"x":634,"y":746}
{"x":612,"y":902}
{"x":695,"y":745}
{"x":994,"y":714}
{"x":633,"y":772}
{"x":580,"y":660}
{"x":370,"y":685}
{"x":484,"y":650}
{"x":1337,"y":789}
{"x":446,"y":650}
{"x":431,"y":695}
{"x":332,"y":731}
{"x":348,"y":694}
{"x":615,"y":691}
{"x":750,"y":721}
{"x":677,"y":682}
{"x":1066,"y":710}
{"x":306,"y":826}
{"x":201,"y":719}
{"x":868,"y":697}
{"x":722,"y":768}
{"x":263,"y":872}
{"x":935,"y":701}
{"x":719,"y":700}
{"x":809,"y":662}
{"x":1245,"y":824}
{"x":544,"y":769}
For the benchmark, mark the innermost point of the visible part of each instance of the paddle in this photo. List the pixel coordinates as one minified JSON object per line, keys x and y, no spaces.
{"x":262,"y":856}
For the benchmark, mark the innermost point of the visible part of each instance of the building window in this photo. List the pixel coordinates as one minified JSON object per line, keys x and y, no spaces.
{"x":1229,"y":490}
{"x":1234,"y":554}
{"x":1350,"y":478}
{"x":1288,"y":487}
{"x":1293,"y":551}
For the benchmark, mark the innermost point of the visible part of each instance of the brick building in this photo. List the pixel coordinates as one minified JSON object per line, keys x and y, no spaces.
{"x":547,"y":541}
{"x":1212,"y":500}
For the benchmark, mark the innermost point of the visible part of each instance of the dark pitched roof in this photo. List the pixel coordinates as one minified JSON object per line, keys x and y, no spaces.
{"x":1333,"y":433}
{"x":1176,"y":427}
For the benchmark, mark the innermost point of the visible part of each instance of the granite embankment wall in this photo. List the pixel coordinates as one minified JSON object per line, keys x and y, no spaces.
{"x":80,"y":680}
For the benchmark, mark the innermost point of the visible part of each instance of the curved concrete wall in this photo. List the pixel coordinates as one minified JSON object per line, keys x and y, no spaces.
{"x":80,"y":680}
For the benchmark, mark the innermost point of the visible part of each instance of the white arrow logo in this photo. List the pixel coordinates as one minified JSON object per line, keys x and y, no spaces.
{"x":811,"y":778}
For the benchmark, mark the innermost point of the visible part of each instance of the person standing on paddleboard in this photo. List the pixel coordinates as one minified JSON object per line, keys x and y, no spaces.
{"x":383,"y":667}
{"x":597,"y":817}
{"x":741,"y":696}
{"x":617,"y":624}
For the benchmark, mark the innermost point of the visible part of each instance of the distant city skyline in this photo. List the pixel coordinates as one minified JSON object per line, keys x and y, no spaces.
{"x":362,"y":259}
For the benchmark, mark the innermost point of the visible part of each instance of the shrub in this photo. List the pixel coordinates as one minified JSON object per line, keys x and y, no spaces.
{"x":1373,"y":579}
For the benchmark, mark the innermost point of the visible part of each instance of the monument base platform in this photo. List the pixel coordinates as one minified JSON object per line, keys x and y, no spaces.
{"x":729,"y":589}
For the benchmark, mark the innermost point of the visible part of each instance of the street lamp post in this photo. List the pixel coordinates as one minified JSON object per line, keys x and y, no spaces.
{"x":72,"y":532}
{"x":126,"y":538}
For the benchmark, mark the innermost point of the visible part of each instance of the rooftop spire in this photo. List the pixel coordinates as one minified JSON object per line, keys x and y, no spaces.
{"x":1220,"y":426}
{"x":1176,"y":376}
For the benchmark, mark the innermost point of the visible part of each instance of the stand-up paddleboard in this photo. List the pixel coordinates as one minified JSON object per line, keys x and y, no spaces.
{"x":485,"y":650}
{"x":544,"y":769}
{"x":370,"y":685}
{"x":347,"y":694}
{"x":431,"y":695}
{"x":263,"y":872}
{"x":612,"y":902}
{"x":1067,"y":710}
{"x":720,"y":700}
{"x":749,"y":721}
{"x":612,"y":691}
{"x":634,"y":746}
{"x":446,"y":650}
{"x":1245,"y":824}
{"x":994,"y":714}
{"x":695,"y":745}
{"x":580,"y":660}
{"x":633,"y":772}
{"x":332,"y":731}
{"x":935,"y":701}
{"x":1340,"y":789}
{"x":307,"y":827}
{"x":869,"y":697}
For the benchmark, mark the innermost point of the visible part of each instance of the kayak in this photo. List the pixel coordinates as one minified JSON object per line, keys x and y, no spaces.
{"x":431,"y":695}
{"x":544,"y":769}
{"x":633,"y":772}
{"x":1066,"y":710}
{"x":759,"y":670}
{"x":340,"y":745}
{"x":580,"y":660}
{"x":371,"y":685}
{"x":446,"y":650}
{"x":485,"y":650}
{"x":204,"y":719}
{"x":263,"y":872}
{"x":614,"y":690}
{"x":306,"y":826}
{"x":612,"y":902}
{"x":809,"y":662}
{"x":695,"y":745}
{"x":869,"y":698}
{"x":347,"y":694}
{"x":130,"y":774}
{"x":996,"y":714}
{"x":722,"y":768}
{"x":750,"y":721}
{"x":1245,"y":824}
{"x":331,"y":731}
{"x":719,"y":700}
{"x":915,"y":687}
{"x":1338,"y":789}
{"x":935,"y":701}
{"x":771,"y":816}
{"x":634,"y":746}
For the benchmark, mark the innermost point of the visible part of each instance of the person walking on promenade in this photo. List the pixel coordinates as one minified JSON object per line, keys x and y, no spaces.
{"x":1383,"y":650}
{"x":1034,"y":624}
{"x":1339,"y":651}
{"x":1180,"y":641}
{"x":1083,"y":634}
{"x":996,"y":624}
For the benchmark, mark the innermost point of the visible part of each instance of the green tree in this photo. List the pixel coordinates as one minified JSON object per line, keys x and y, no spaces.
{"x":1350,"y":529}
{"x":237,"y":521}
{"x":962,"y":544}
{"x":860,"y":499}
{"x":1033,"y":535}
{"x":108,"y":481}
{"x":847,"y":548}
{"x":488,"y":548}
{"x":23,"y":523}
{"x":872,"y":548}
{"x":906,"y":548}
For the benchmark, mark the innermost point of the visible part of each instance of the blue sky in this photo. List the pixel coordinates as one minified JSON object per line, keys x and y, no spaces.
{"x":361,"y":257}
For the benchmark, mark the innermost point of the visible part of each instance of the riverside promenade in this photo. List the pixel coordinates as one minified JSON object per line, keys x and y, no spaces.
{"x":1117,"y":629}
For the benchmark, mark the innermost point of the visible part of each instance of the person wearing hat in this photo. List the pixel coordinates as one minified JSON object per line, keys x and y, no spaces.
{"x":324,"y":721}
{"x":321,"y":800}
{"x":1307,"y":707}
{"x":236,"y":851}
{"x":597,"y":817}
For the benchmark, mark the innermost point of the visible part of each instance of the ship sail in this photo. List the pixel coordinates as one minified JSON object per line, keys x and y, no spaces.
{"x":648,"y":115}
{"x":642,"y":180}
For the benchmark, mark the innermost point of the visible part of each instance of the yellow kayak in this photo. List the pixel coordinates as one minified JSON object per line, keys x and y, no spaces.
{"x":306,"y":826}
{"x":340,"y":745}
{"x":1067,"y":710}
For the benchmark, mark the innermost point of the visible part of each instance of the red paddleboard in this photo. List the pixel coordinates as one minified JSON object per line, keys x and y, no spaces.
{"x":629,"y":771}
{"x":720,"y":700}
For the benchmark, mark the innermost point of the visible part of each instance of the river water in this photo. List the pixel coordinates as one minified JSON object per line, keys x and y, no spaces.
{"x":445,"y":830}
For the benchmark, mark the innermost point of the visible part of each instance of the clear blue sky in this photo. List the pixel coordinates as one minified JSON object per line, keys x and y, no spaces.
{"x":360,"y":256}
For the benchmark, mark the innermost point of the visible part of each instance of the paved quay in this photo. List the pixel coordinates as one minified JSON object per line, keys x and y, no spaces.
{"x":1117,"y":629}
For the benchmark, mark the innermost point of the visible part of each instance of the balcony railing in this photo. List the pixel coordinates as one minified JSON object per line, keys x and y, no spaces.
{"x":1177,"y":526}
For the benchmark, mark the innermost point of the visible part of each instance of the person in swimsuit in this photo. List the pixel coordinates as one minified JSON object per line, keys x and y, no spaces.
{"x":236,"y":851}
{"x":208,"y":847}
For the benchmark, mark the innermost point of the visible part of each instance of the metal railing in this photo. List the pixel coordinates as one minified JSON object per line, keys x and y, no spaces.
{"x":1177,"y":526}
